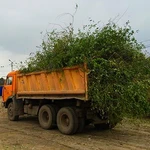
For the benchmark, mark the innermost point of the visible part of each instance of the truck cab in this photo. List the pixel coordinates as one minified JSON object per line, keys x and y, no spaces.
{"x":9,"y":88}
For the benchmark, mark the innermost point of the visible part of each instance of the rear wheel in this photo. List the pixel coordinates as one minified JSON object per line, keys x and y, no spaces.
{"x":104,"y":126}
{"x":81,"y":124}
{"x":67,"y":120}
{"x":47,"y":117}
{"x":11,"y":113}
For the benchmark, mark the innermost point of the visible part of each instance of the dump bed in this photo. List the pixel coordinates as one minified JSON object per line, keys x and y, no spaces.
{"x":67,"y":83}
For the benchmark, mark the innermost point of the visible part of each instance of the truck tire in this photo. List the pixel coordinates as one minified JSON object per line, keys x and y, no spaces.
{"x":47,"y":117}
{"x":67,"y":120}
{"x":104,"y":126}
{"x":81,"y":125}
{"x":10,"y":112}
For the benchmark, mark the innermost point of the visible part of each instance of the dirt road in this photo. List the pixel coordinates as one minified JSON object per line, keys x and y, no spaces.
{"x":26,"y":134}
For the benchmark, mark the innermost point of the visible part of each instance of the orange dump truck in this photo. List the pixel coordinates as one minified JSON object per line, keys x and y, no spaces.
{"x":58,"y":98}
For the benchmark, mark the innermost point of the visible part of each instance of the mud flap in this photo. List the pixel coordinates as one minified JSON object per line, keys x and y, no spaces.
{"x":18,"y":106}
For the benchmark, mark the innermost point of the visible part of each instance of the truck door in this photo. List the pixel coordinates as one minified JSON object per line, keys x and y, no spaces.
{"x":7,"y":89}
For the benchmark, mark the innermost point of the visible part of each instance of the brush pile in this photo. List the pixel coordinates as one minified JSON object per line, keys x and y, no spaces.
{"x":119,"y":71}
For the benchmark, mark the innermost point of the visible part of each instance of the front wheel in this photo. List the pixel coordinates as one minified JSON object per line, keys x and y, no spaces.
{"x":11,"y":113}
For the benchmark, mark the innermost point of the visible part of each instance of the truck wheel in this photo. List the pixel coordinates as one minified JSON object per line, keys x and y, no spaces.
{"x":10,"y":112}
{"x":67,"y":120}
{"x":47,"y":117}
{"x":104,"y":126}
{"x":81,"y":125}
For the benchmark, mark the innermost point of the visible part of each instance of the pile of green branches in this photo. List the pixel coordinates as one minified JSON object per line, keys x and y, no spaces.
{"x":119,"y":71}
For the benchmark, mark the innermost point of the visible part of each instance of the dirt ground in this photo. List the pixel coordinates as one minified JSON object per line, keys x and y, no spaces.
{"x":26,"y":134}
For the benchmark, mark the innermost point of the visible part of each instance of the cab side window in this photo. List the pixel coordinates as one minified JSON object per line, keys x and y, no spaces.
{"x":9,"y":81}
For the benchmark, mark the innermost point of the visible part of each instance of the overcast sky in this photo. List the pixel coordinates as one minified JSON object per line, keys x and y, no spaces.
{"x":22,"y":21}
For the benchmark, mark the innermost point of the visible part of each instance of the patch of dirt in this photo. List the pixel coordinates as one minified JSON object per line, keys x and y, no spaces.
{"x":26,"y":134}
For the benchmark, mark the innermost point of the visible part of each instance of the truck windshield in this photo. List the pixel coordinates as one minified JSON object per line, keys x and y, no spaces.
{"x":9,"y":80}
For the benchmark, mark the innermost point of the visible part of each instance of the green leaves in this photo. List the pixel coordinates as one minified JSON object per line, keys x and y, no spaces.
{"x":119,"y":76}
